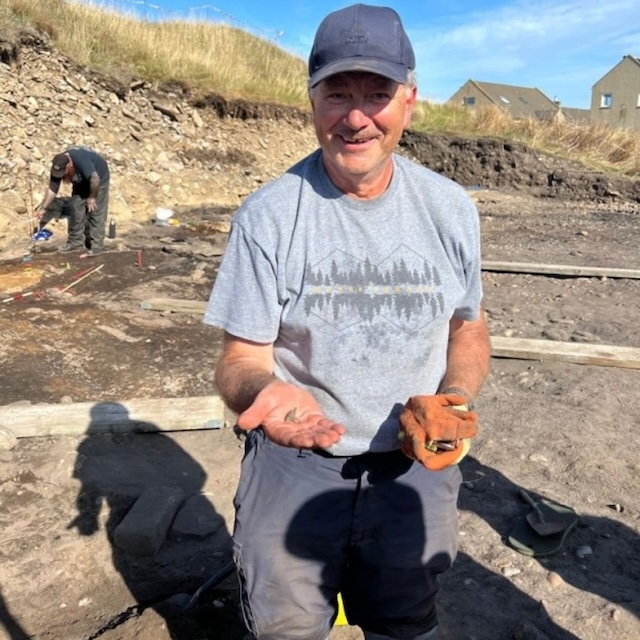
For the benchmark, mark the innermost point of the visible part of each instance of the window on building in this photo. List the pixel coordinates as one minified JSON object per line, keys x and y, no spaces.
{"x":638,"y":102}
{"x":505,"y":100}
{"x":605,"y":100}
{"x":469,"y":101}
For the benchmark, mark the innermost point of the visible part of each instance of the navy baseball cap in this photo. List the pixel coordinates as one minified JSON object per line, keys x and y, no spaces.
{"x":59,"y":165}
{"x":361,"y":38}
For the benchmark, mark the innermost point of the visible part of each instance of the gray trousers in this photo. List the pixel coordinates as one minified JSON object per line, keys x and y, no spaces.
{"x":378,"y":529}
{"x":86,"y":228}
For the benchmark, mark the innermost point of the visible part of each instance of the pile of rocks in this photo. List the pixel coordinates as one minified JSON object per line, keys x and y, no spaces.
{"x":163,"y":150}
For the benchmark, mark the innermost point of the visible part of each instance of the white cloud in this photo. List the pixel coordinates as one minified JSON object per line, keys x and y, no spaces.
{"x":528,"y":43}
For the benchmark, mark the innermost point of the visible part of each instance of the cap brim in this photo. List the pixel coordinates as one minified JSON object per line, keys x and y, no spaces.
{"x":58,"y":174}
{"x":395,"y":72}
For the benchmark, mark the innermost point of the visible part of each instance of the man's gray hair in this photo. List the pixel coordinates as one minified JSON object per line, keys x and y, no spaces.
{"x":410,"y":84}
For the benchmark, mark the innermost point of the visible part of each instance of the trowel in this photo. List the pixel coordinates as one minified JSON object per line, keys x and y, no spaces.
{"x":546,"y":519}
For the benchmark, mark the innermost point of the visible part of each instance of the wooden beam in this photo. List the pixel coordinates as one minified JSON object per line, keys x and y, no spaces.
{"x":560,"y":270}
{"x":196,"y":307}
{"x":140,"y":415}
{"x":574,"y":352}
{"x":149,"y":415}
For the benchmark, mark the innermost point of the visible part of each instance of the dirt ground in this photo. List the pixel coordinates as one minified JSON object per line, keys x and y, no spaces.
{"x":562,"y":431}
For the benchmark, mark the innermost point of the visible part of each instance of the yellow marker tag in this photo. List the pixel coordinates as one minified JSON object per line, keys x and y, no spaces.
{"x":341,"y":620}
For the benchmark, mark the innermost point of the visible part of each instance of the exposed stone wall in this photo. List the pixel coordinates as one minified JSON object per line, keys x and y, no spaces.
{"x":164,"y":148}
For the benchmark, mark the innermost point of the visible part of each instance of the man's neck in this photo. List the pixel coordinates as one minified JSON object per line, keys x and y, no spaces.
{"x":365,"y":187}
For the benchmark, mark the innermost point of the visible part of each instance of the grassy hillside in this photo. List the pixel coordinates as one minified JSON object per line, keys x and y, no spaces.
{"x":201,"y":56}
{"x":217,"y":58}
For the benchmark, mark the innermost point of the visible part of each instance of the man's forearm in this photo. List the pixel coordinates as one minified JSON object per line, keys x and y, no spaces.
{"x":94,"y":185}
{"x":49,"y":197}
{"x":468,"y":357}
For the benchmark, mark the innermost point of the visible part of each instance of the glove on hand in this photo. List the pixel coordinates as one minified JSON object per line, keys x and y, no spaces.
{"x":427,"y":420}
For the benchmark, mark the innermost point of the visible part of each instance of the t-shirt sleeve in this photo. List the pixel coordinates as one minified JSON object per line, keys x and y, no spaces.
{"x":83,"y":164}
{"x":244,"y":300}
{"x":469,"y":234}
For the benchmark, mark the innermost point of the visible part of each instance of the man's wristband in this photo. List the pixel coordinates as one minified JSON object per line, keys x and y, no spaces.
{"x":459,"y":391}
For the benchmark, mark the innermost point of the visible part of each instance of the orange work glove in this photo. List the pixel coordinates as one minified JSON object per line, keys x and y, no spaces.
{"x":435,"y":430}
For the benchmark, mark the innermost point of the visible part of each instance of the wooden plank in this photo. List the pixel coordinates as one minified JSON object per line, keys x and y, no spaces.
{"x":177,"y":305}
{"x":524,"y":349}
{"x":560,"y":270}
{"x":575,"y":352}
{"x":138,"y":416}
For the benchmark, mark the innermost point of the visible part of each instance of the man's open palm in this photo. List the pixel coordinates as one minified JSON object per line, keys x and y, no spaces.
{"x":291,"y":418}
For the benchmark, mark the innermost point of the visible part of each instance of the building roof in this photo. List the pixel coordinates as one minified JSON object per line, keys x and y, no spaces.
{"x":578,"y":116}
{"x":520,"y":102}
{"x":629,"y":57}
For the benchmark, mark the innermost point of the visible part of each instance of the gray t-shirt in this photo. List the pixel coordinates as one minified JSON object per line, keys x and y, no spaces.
{"x":356,"y":295}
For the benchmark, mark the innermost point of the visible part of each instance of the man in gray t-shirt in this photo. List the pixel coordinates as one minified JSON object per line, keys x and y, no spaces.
{"x":350,"y":296}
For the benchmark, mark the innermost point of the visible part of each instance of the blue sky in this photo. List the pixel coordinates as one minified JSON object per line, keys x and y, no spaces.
{"x":562,"y":47}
